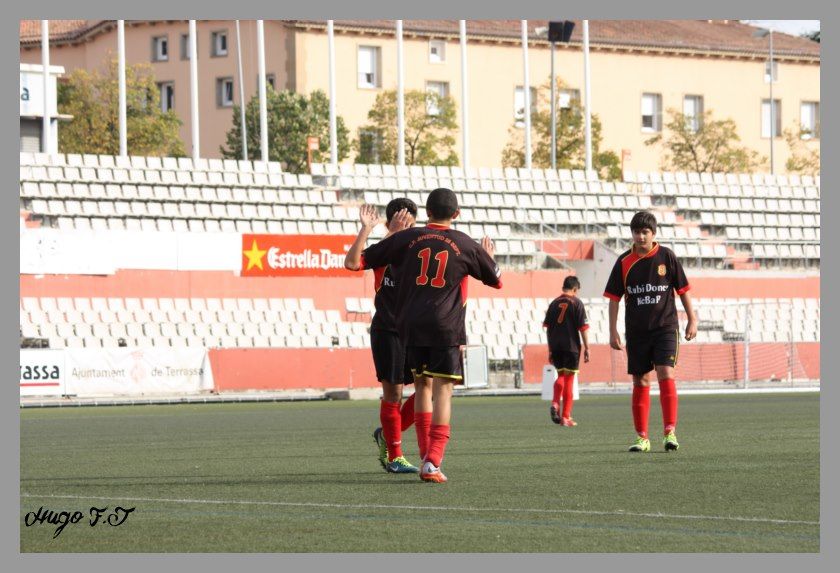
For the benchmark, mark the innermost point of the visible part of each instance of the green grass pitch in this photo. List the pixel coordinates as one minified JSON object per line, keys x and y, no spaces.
{"x":303,"y":477}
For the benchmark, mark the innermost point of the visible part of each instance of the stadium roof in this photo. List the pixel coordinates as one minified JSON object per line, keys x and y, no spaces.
{"x":712,"y":37}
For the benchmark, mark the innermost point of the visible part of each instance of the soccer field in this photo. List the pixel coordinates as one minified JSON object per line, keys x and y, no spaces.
{"x":303,"y":477}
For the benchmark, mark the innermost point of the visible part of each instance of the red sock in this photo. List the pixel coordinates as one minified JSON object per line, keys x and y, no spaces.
{"x":558,"y":391}
{"x":407,"y":413}
{"x":668,"y":401}
{"x":568,"y":390}
{"x":389,"y":416}
{"x":641,"y":408}
{"x":438,"y":438}
{"x":422,"y":424}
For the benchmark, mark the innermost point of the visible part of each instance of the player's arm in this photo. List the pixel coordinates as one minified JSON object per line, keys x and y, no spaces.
{"x":691,"y":327}
{"x":369,"y":217}
{"x":615,"y":338}
{"x":584,"y":334}
{"x":488,"y":271}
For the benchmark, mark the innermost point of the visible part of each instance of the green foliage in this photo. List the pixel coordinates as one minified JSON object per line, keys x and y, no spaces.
{"x":92,"y":98}
{"x":804,"y":151}
{"x":711,"y":148}
{"x":429,"y":138}
{"x":571,"y":139}
{"x":292,"y":117}
{"x":814,"y":36}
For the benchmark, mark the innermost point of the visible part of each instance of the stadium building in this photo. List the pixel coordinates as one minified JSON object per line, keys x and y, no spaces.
{"x":640,"y":69}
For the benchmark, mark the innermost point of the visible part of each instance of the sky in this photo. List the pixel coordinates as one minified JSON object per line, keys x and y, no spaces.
{"x":793,"y":27}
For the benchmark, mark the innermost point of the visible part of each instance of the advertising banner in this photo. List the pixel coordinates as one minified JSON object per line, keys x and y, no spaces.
{"x":137,"y":371}
{"x":295,"y":255}
{"x":42,"y":372}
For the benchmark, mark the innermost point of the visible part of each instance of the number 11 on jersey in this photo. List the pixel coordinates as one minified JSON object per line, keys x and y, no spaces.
{"x":425,"y":256}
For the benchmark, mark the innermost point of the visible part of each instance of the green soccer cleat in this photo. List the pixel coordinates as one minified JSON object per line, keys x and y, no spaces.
{"x":670,"y":442}
{"x":383,"y":447}
{"x":400,"y":465}
{"x":640,"y":445}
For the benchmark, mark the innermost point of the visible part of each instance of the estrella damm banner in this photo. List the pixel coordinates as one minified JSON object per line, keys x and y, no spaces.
{"x":295,"y":255}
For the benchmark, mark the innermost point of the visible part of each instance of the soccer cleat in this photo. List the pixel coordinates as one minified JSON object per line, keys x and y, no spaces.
{"x":670,"y":442}
{"x":383,"y":447}
{"x":431,"y":473}
{"x":400,"y":465}
{"x":555,"y":415}
{"x":568,"y":422}
{"x":640,"y":445}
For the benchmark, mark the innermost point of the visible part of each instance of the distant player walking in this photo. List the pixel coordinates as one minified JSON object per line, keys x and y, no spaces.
{"x":565,"y":323}
{"x":432,"y":266}
{"x":646,"y":277}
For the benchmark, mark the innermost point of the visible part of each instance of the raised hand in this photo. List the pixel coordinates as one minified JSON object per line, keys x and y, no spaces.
{"x":400,"y":221}
{"x":487,"y":245}
{"x":369,"y":216}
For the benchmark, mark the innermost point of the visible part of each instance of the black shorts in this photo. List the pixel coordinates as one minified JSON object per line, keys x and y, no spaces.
{"x":439,"y":362}
{"x":389,"y":358}
{"x":566,"y":361}
{"x":657,"y":348}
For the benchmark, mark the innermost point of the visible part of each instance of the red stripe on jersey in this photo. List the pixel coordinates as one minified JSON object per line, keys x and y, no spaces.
{"x":378,"y":274}
{"x":684,"y":289}
{"x":362,"y":262}
{"x":464,"y":290}
{"x":436,"y":226}
{"x":497,"y":285}
{"x":612,"y":296}
{"x":584,"y":327}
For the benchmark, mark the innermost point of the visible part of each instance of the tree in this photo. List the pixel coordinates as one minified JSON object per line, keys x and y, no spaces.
{"x":571,"y":138}
{"x":813,"y":36}
{"x":707,"y":147}
{"x":92,"y":98}
{"x":292,"y":117}
{"x":430,"y":125}
{"x":804,"y":157}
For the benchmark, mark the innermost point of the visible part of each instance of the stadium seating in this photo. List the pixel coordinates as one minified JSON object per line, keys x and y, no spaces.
{"x":503,"y":325}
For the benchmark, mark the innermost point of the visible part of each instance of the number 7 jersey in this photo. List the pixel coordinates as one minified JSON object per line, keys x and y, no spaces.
{"x":431,"y":266}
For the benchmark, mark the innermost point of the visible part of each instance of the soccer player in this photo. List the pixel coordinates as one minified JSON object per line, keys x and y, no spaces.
{"x":647,"y":276}
{"x":565,"y":323}
{"x":432,"y":265}
{"x":388,"y":351}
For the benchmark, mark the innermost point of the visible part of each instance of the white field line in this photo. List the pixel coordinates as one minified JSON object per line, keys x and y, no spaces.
{"x":619,"y":513}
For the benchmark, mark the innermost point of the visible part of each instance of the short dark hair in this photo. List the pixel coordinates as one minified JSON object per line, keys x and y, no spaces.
{"x":397,"y":205}
{"x":571,"y":282}
{"x":643,"y":220}
{"x":442,"y":204}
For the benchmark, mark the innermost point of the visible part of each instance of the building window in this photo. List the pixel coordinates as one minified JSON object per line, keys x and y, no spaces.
{"x":160,"y":49}
{"x":519,"y":105}
{"x":693,"y":112}
{"x":441,"y":89}
{"x":219,"y":43}
{"x":167,"y":96}
{"x":185,"y":46}
{"x":566,"y":97}
{"x":765,"y":118}
{"x":269,"y":82}
{"x":809,"y":119}
{"x":370,"y":146}
{"x":437,"y":51}
{"x":224,"y":92}
{"x":651,"y":112}
{"x":369,"y":57}
{"x":767,"y":72}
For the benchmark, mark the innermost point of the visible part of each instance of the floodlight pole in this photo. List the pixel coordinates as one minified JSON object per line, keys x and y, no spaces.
{"x":772,"y":108}
{"x":46,"y":140}
{"x":121,"y":70}
{"x":333,"y":127}
{"x":553,"y":113}
{"x":241,"y":96}
{"x":465,"y":129}
{"x":261,"y":86}
{"x":586,"y":104}
{"x":194,"y":115}
{"x":400,"y":97}
{"x":527,"y":92}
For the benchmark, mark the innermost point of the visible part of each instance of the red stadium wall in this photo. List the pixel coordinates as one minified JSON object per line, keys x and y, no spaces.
{"x":242,"y":369}
{"x":697,"y":362}
{"x":330,"y":293}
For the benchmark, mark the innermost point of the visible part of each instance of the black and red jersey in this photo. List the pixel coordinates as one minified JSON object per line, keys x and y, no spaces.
{"x":385,"y":300}
{"x":564,"y":320}
{"x":647,"y":284}
{"x":431,"y":266}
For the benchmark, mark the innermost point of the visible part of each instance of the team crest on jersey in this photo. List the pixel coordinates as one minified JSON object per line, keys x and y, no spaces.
{"x":661,"y":270}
